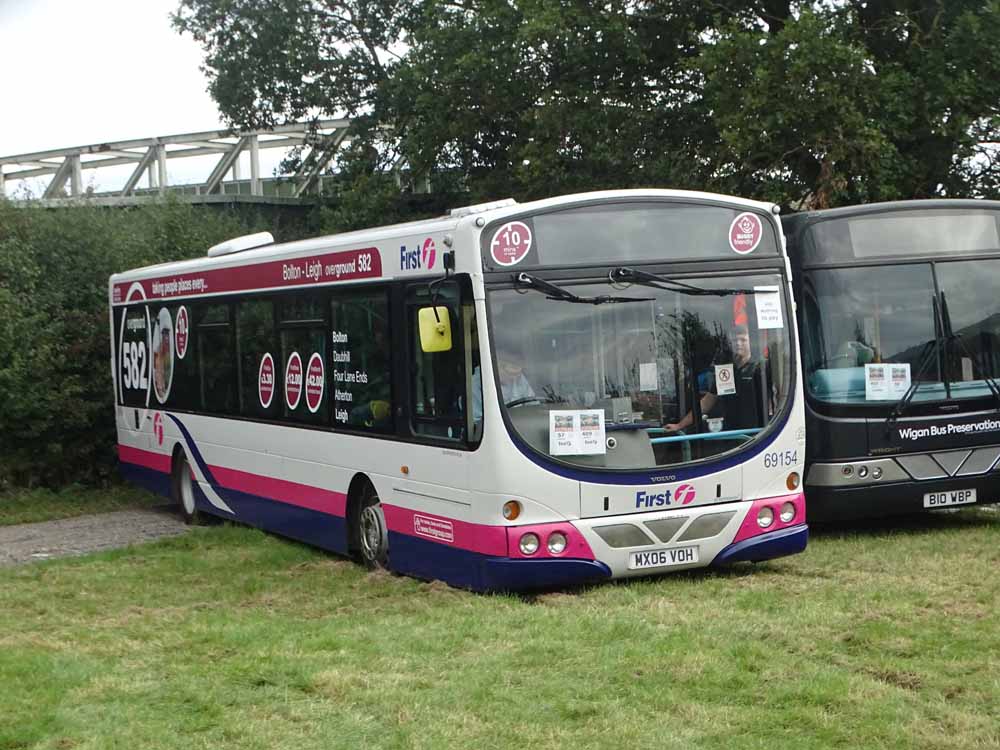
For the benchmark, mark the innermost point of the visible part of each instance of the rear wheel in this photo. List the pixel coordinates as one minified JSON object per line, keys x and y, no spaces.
{"x":183,"y":490}
{"x":372,"y":533}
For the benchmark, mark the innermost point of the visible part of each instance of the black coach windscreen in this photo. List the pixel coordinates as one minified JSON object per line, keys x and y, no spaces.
{"x":869,"y":333}
{"x":629,"y":232}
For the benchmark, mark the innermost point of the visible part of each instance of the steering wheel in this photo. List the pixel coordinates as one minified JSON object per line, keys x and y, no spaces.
{"x":522,"y":401}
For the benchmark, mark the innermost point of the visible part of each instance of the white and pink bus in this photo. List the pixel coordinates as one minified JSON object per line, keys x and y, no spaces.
{"x":512,"y":396}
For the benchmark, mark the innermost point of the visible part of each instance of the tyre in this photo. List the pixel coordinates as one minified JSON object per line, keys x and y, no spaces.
{"x":182,"y":490}
{"x":371,"y":533}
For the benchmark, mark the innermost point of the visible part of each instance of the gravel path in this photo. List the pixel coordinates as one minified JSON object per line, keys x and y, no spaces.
{"x":29,"y":542}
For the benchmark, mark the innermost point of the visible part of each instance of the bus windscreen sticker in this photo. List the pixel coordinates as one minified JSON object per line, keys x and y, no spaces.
{"x":510,"y":243}
{"x":181,"y":328}
{"x":314,"y":383}
{"x":163,"y":355}
{"x":293,"y":381}
{"x":767,"y":301}
{"x":745,"y":233}
{"x":576,"y":433}
{"x":265,"y":380}
{"x":876,"y":382}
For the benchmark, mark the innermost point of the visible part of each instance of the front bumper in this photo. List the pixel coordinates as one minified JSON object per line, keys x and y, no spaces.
{"x":880,"y":500}
{"x":789,"y":541}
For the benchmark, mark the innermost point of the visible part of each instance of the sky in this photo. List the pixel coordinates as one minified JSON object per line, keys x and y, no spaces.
{"x":79,"y":72}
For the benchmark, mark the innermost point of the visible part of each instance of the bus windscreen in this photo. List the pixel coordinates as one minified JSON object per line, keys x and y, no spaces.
{"x":671,"y":376}
{"x":937,"y":325}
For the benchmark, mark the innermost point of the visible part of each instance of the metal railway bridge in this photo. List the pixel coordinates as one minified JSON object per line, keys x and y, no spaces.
{"x":149,"y":177}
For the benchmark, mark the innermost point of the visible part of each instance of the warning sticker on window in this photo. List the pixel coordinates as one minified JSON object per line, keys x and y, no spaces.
{"x":768,"y":304}
{"x":725,"y":380}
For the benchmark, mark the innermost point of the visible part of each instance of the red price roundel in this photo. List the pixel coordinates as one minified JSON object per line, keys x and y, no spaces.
{"x":181,"y":328}
{"x":510,"y":243}
{"x":745,"y":233}
{"x":293,"y":380}
{"x":265,"y":380}
{"x":314,"y":383}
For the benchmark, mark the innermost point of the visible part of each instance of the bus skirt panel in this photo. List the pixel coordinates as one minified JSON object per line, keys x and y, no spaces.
{"x":423,"y":558}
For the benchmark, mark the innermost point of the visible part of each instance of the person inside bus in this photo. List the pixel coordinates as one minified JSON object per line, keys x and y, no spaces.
{"x":740,"y":410}
{"x":513,"y":383}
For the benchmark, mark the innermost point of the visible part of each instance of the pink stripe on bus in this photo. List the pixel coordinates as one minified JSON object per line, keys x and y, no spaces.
{"x":750,"y":527}
{"x":149,"y":459}
{"x":474,"y":537}
{"x":293,"y":493}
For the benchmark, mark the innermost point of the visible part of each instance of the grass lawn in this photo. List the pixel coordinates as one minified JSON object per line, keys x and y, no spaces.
{"x":229,"y":638}
{"x":28,"y":506}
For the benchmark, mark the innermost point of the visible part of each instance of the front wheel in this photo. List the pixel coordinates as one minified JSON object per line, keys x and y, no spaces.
{"x":372,"y":534}
{"x":182,"y":491}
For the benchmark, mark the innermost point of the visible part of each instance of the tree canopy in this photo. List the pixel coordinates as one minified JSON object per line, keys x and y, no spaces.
{"x":804,"y":103}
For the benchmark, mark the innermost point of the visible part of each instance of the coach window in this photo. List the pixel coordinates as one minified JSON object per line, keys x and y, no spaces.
{"x":303,"y":362}
{"x":441,"y":381}
{"x":257,"y":340}
{"x":216,"y":358}
{"x":361,"y":359}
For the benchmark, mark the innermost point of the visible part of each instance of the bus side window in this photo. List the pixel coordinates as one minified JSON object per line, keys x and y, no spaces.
{"x":361,"y":370}
{"x":216,"y":359}
{"x":302,"y":336}
{"x":439,"y":385}
{"x":257,"y":338}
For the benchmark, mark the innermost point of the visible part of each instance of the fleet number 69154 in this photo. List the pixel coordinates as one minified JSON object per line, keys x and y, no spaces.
{"x":776,"y":459}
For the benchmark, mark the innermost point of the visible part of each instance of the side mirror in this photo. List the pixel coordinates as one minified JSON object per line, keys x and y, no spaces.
{"x":435,"y":329}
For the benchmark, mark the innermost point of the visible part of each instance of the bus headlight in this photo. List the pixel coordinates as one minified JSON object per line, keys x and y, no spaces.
{"x":557,"y":543}
{"x":528,"y":543}
{"x":787,"y":512}
{"x":511,"y":509}
{"x":765,"y":517}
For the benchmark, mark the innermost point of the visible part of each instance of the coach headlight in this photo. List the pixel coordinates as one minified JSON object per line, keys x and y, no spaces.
{"x":557,"y":543}
{"x":787,"y":512}
{"x":765,"y":517}
{"x":528,"y":543}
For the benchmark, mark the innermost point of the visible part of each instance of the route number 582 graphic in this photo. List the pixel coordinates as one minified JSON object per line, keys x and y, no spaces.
{"x":134,"y":369}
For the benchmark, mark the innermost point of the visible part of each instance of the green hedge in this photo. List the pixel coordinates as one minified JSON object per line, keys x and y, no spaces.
{"x":56,"y":398}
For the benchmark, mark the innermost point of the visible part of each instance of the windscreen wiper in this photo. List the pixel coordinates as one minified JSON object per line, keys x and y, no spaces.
{"x":991,"y":383}
{"x":928,"y":354}
{"x":624,"y":275}
{"x":930,"y":349}
{"x":553,"y":292}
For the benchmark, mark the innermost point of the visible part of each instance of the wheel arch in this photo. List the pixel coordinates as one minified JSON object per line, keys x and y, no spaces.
{"x":355,"y":491}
